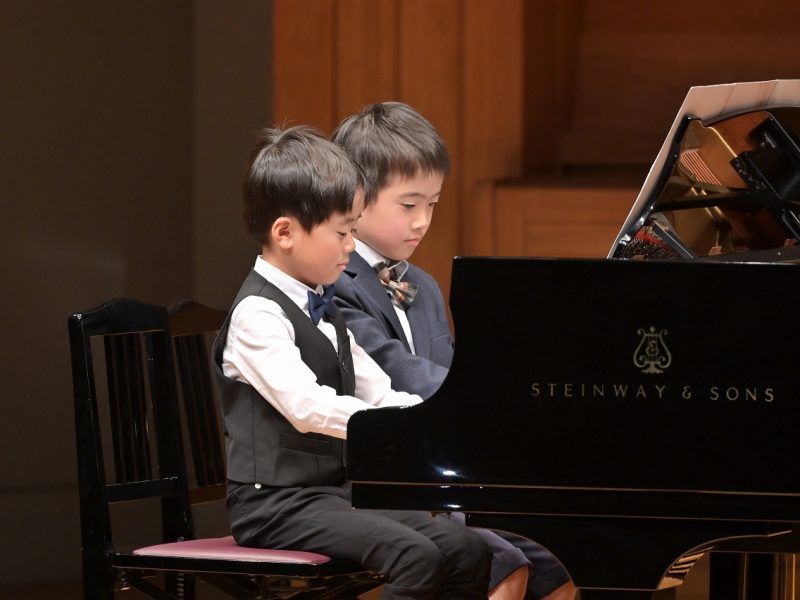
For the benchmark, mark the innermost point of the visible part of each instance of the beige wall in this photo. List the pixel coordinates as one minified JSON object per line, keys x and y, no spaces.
{"x":121,"y":129}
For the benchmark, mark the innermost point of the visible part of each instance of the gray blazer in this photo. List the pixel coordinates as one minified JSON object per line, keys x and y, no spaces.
{"x":372,"y":319}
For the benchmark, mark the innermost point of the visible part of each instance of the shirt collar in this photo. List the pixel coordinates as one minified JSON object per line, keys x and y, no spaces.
{"x":295,"y":290}
{"x":368,"y":254}
{"x":373,"y":258}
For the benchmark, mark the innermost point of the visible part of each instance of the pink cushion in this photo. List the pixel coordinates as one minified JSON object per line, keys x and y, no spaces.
{"x":226,"y":548}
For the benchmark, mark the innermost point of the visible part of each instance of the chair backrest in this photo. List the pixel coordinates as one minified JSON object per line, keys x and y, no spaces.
{"x":126,"y":344}
{"x":124,"y":358}
{"x":193,"y":326}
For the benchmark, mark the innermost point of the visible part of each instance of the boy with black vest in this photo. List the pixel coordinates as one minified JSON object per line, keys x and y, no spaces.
{"x":291,"y":375}
{"x":395,"y":309}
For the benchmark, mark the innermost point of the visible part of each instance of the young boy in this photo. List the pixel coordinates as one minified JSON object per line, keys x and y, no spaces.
{"x":396,"y":311}
{"x":290,"y":377}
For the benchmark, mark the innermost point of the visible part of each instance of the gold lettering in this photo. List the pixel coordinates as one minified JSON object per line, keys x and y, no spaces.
{"x":732,"y":393}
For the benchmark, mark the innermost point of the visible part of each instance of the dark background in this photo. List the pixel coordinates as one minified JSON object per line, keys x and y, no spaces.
{"x":123,"y":127}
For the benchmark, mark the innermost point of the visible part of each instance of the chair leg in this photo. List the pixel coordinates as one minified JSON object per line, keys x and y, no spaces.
{"x":98,"y":584}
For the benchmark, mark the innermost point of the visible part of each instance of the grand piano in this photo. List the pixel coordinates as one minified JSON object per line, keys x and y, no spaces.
{"x":635,"y":412}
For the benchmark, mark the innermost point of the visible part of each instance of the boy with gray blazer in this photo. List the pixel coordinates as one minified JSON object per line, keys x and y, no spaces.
{"x":396,"y":311}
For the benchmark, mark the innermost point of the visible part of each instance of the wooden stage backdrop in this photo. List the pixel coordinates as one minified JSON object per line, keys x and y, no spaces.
{"x":552,"y":109}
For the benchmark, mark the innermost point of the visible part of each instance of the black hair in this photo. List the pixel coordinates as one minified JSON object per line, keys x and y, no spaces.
{"x":297,"y":173}
{"x":391,"y":139}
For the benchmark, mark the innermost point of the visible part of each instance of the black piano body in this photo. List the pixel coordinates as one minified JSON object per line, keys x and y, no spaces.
{"x":678,"y":388}
{"x":676,"y":380}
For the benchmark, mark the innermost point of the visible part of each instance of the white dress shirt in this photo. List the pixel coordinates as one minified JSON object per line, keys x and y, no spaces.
{"x":260,"y":351}
{"x":373,"y":258}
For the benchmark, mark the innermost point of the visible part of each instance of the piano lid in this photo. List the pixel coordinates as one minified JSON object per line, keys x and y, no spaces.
{"x":726,"y":182}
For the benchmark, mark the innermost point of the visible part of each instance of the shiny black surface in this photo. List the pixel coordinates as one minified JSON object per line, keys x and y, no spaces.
{"x":570,"y":328}
{"x":700,"y":451}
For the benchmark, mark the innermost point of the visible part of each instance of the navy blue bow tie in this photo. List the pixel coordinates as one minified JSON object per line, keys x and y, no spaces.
{"x":320,"y":305}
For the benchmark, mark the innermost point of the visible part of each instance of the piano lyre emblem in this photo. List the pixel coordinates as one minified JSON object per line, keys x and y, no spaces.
{"x":652,"y":354}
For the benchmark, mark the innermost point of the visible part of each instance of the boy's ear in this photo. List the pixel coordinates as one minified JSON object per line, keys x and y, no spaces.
{"x":281,"y":233}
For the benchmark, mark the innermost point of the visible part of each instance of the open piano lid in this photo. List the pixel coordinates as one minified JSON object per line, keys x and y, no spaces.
{"x":726,"y":183}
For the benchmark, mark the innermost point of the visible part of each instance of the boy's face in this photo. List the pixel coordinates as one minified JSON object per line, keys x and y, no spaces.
{"x":320,"y":256}
{"x":397,"y":220}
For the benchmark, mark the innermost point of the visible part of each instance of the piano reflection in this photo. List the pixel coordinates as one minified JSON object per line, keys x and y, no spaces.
{"x":677,"y":377}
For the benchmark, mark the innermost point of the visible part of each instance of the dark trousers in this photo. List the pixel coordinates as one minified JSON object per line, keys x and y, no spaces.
{"x":421,"y":556}
{"x":511,"y":551}
{"x":547,"y":573}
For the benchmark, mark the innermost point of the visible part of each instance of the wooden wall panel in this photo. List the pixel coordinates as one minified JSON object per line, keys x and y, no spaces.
{"x":634,"y":67}
{"x":519,"y":88}
{"x":430,"y":81}
{"x":559,"y":221}
{"x":303,"y":82}
{"x":331,"y":58}
{"x":552,"y":32}
{"x":492,"y":124}
{"x":367,"y":54}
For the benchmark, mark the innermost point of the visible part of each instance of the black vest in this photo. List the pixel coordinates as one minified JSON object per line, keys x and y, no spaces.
{"x":262,"y":446}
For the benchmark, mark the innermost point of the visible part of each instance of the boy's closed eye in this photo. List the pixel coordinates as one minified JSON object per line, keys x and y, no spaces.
{"x":413,"y":205}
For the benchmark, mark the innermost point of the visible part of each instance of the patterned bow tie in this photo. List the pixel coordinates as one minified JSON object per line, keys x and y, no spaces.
{"x":402,"y":292}
{"x":321,"y":305}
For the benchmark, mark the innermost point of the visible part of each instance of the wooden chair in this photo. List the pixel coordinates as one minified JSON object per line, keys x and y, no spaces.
{"x":192,"y":326}
{"x":130,"y":450}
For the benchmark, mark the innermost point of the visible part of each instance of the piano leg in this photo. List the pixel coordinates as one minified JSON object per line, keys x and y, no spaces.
{"x":751,"y":576}
{"x":725,"y":578}
{"x":787,"y":584}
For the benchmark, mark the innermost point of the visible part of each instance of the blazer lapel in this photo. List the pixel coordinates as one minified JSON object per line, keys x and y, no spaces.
{"x":418,"y":321}
{"x":368,"y":280}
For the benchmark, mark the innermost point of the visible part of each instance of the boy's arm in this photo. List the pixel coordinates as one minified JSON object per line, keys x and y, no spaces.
{"x":260,"y":350}
{"x":373,"y":384}
{"x":408,"y":372}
